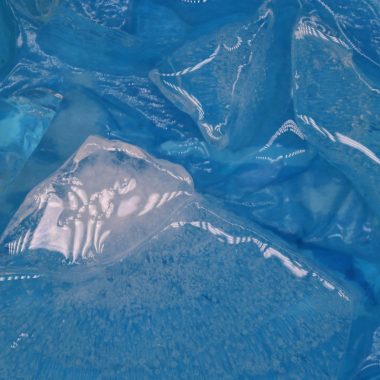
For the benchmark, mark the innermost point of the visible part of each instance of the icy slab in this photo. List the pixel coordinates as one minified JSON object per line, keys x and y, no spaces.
{"x":161,"y":36}
{"x":337,"y":106}
{"x":7,"y":39}
{"x":202,"y":297}
{"x":36,"y":11}
{"x":224,"y":80}
{"x":108,"y":197}
{"x":286,"y":186}
{"x":200,"y":11}
{"x":85,"y":43}
{"x":79,"y":42}
{"x":370,"y":367}
{"x":114,"y":14}
{"x":29,"y":96}
{"x":136,"y":97}
{"x":359,"y":23}
{"x":208,"y":78}
{"x":316,"y":207}
{"x":23,"y":122}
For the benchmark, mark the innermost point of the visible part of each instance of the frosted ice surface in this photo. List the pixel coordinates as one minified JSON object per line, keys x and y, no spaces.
{"x":370,"y":368}
{"x":323,"y":58}
{"x":7,"y":39}
{"x":210,"y":77}
{"x":28,"y":100}
{"x":107,"y":198}
{"x":82,"y":43}
{"x":148,"y":25}
{"x":199,"y":11}
{"x":202,"y":297}
{"x":114,"y":14}
{"x":359,"y":24}
{"x":23,"y":122}
{"x":34,"y":10}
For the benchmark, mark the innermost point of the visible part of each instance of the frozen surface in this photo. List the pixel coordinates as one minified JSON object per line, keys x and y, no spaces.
{"x":222,"y":80}
{"x":107,"y":191}
{"x":168,"y":287}
{"x":224,"y":223}
{"x":114,"y":14}
{"x":352,"y":142}
{"x":21,"y":127}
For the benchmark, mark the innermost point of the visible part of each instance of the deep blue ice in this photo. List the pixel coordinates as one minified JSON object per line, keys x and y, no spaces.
{"x":189,"y":189}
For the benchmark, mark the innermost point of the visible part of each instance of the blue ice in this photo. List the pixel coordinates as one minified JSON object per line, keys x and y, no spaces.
{"x":162,"y":284}
{"x":189,"y":189}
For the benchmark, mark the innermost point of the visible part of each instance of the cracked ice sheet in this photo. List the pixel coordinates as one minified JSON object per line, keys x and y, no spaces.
{"x":341,"y":121}
{"x":177,"y":290}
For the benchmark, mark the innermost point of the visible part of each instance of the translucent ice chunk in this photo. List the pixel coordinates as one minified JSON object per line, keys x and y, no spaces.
{"x":148,"y":26}
{"x":199,"y":11}
{"x":7,"y":39}
{"x":370,"y":367}
{"x":207,"y":77}
{"x":337,"y":106}
{"x":224,"y":79}
{"x":28,"y":94}
{"x":107,"y":198}
{"x":35,"y":10}
{"x":359,"y":22}
{"x":79,"y":42}
{"x":22,"y":125}
{"x":114,"y":14}
{"x":201,"y":297}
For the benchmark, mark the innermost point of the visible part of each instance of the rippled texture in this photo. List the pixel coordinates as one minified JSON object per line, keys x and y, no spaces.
{"x":189,"y":189}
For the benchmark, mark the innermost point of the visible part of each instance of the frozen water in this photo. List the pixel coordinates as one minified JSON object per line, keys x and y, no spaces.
{"x":22,"y":124}
{"x":113,"y":264}
{"x":106,"y":198}
{"x":351,"y":142}
{"x":28,"y":101}
{"x":224,"y":60}
{"x":225,"y":79}
{"x":73,"y":38}
{"x":7,"y":39}
{"x":149,"y":27}
{"x":114,"y":14}
{"x":200,"y":11}
{"x":36,"y":11}
{"x":359,"y":24}
{"x":173,"y":288}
